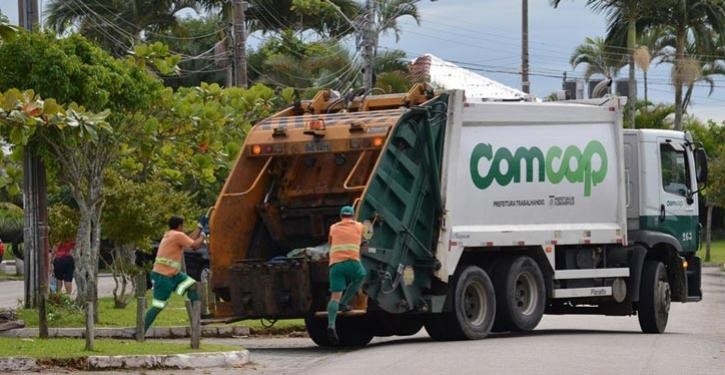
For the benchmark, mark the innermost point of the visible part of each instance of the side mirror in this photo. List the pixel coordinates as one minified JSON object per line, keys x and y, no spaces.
{"x":701,"y":166}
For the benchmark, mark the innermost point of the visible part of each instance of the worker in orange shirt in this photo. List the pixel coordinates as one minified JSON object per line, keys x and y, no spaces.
{"x":166,"y":275}
{"x":346,"y":271}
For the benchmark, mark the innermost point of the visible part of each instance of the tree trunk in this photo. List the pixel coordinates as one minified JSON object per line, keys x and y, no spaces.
{"x":708,"y":231}
{"x":645,"y":87}
{"x":632,"y":100}
{"x":679,"y":59}
{"x":84,"y":270}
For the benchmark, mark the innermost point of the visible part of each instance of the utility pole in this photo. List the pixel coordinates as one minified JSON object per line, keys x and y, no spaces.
{"x":525,"y":84}
{"x":240,"y":41}
{"x":35,"y":207}
{"x":368,"y":41}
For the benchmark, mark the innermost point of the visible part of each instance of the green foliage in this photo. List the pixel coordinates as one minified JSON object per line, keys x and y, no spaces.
{"x":198,"y":43}
{"x":712,"y":137}
{"x":191,"y":137}
{"x":136,"y":212}
{"x":63,"y":221}
{"x":651,"y":116}
{"x":11,"y":221}
{"x":173,"y":315}
{"x":8,"y":32}
{"x":155,"y":56}
{"x":288,"y":61}
{"x":598,"y":57}
{"x":73,"y":70}
{"x":115,"y":25}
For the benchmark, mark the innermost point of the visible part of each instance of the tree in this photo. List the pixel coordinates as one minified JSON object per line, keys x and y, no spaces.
{"x":80,"y":140}
{"x":288,"y":61}
{"x":115,"y":25}
{"x":650,"y":116}
{"x":652,"y":44}
{"x":598,"y":57}
{"x":619,"y":14}
{"x":202,"y":61}
{"x":133,"y":227}
{"x":712,"y":137}
{"x":684,"y":18}
{"x":272,"y":16}
{"x":393,"y":74}
{"x":7,"y":31}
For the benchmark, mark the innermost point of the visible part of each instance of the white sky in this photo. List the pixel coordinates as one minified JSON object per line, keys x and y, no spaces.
{"x":488,"y":33}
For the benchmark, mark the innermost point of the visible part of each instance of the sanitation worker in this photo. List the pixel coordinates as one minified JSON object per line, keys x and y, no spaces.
{"x":166,"y":275}
{"x":346,"y":271}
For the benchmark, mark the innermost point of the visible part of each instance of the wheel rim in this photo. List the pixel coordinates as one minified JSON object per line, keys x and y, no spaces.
{"x":663,"y":300}
{"x":474,"y":304}
{"x":526,"y":293}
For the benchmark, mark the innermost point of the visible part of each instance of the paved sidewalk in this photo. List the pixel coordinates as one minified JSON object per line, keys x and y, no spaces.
{"x":12,"y":291}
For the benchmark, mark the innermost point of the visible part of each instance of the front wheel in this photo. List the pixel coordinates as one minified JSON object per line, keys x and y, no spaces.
{"x":654,"y":298}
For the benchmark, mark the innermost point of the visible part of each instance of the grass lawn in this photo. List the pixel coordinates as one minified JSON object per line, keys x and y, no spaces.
{"x":173,"y":315}
{"x":69,"y":348}
{"x":717,"y":252}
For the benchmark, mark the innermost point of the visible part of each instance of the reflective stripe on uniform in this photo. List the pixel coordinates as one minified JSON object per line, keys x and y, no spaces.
{"x":345,"y":247}
{"x":158,"y":303}
{"x":168,"y":262}
{"x":184,"y":285}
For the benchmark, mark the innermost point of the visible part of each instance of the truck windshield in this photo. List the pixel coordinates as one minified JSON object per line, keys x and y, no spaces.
{"x":674,"y":170}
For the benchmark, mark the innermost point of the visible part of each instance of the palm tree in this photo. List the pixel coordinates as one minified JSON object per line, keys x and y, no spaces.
{"x":598,"y":58}
{"x":685,"y":18}
{"x":7,"y":31}
{"x":387,"y":13}
{"x":651,"y":46}
{"x":115,"y":24}
{"x":273,"y":16}
{"x":629,"y":13}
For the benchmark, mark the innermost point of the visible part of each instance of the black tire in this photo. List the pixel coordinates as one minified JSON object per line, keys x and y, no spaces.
{"x":354,"y":331}
{"x":654,"y":298}
{"x":442,"y":327}
{"x":520,"y":295}
{"x":408,"y":325}
{"x":317,"y":330}
{"x":474,"y":308}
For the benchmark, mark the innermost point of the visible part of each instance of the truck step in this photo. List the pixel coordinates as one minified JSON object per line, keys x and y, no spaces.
{"x":596,"y":291}
{"x":596,"y":273}
{"x":321,"y":314}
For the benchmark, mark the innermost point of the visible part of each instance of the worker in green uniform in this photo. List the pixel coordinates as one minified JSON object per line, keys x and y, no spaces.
{"x":346,"y":271}
{"x":166,"y":275}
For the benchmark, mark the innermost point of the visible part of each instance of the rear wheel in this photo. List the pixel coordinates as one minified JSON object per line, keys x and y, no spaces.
{"x":474,"y":308}
{"x":654,"y":298}
{"x":520,"y":294}
{"x":351,"y":330}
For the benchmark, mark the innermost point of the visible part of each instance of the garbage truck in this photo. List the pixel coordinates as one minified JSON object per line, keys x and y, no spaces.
{"x":480,"y":216}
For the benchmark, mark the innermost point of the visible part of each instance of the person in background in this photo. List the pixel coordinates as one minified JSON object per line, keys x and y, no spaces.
{"x":63,"y":265}
{"x":2,"y":250}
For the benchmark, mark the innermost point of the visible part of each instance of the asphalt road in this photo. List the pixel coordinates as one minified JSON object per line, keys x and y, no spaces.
{"x":11,"y":292}
{"x":694,"y":343}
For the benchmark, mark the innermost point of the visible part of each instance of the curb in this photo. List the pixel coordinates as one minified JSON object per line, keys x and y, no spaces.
{"x":129,"y":332}
{"x":167,"y":361}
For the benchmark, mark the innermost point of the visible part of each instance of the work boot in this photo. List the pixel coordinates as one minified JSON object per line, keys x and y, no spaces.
{"x":345,"y":307}
{"x":332,"y":336}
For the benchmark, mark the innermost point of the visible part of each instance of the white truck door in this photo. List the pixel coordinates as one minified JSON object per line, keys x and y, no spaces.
{"x":678,"y":214}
